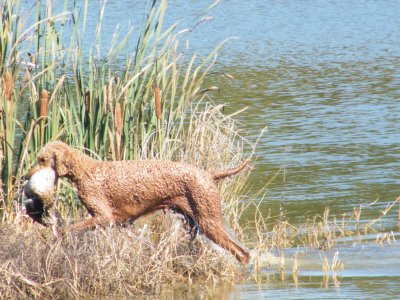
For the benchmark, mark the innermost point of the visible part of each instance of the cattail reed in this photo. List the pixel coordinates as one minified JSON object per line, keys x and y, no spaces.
{"x":43,"y":102}
{"x":8,"y":82}
{"x":105,"y":100}
{"x":118,"y":119}
{"x":157,"y":100}
{"x":44,"y":99}
{"x":87,"y":101}
{"x":118,"y":128}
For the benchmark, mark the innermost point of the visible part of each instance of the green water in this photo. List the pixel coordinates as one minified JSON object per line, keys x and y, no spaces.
{"x":324,"y":76}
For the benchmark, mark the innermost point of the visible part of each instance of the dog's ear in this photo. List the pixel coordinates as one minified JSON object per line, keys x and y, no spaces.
{"x":61,"y":162}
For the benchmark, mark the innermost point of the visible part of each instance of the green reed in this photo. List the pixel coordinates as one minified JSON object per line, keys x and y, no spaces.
{"x":115,"y":107}
{"x":9,"y":31}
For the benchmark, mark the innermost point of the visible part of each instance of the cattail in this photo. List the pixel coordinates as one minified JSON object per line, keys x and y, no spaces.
{"x":118,"y":128}
{"x":44,"y":99}
{"x":105,"y":101}
{"x":157,"y":100}
{"x":87,"y":101}
{"x":118,"y":118}
{"x":33,"y":61}
{"x":8,"y":82}
{"x":110,"y":96}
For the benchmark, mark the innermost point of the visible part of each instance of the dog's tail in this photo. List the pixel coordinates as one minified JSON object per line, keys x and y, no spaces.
{"x":229,"y":172}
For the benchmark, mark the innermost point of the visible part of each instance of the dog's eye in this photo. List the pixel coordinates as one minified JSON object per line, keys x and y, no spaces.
{"x":42,"y":160}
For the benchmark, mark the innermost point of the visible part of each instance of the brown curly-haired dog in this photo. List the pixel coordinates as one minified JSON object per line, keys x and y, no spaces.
{"x":120,"y":191}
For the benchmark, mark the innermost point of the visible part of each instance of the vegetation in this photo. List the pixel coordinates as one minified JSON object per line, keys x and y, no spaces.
{"x":146,"y":103}
{"x":149,"y":106}
{"x":56,"y":89}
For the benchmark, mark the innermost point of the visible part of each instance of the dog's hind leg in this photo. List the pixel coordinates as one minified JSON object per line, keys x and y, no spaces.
{"x":180,"y":205}
{"x":207,"y":212}
{"x":217,"y":233}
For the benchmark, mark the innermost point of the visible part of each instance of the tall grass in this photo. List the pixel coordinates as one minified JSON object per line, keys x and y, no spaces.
{"x":115,"y":107}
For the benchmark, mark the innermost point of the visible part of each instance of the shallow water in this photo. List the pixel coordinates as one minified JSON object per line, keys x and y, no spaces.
{"x":374,"y":274}
{"x":324,"y":77}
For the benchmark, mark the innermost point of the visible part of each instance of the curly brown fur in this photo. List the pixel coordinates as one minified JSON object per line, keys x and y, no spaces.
{"x":120,"y":191}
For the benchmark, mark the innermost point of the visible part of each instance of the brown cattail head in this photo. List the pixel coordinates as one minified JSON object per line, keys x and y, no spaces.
{"x":118,"y":119}
{"x":8,"y":83}
{"x":87,"y":101}
{"x":44,"y":99}
{"x":157,"y":99}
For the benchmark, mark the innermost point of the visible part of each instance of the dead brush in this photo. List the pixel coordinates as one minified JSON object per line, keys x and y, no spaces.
{"x":323,"y":232}
{"x":330,"y":269}
{"x":282,"y":235}
{"x":133,"y":260}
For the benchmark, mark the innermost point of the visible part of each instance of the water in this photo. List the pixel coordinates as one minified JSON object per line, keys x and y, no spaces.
{"x":324,"y":76}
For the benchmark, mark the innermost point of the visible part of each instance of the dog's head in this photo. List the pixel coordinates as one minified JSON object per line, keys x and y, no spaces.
{"x":41,"y":180}
{"x":55,"y":155}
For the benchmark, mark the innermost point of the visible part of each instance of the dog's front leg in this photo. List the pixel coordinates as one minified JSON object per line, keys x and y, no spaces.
{"x":87,"y":224}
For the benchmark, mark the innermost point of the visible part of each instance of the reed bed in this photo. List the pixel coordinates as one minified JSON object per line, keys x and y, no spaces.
{"x":117,"y":103}
{"x":139,"y":259}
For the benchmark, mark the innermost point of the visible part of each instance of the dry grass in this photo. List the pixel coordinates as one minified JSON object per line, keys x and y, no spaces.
{"x":325,"y":231}
{"x":134,"y":260}
{"x":156,"y":253}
